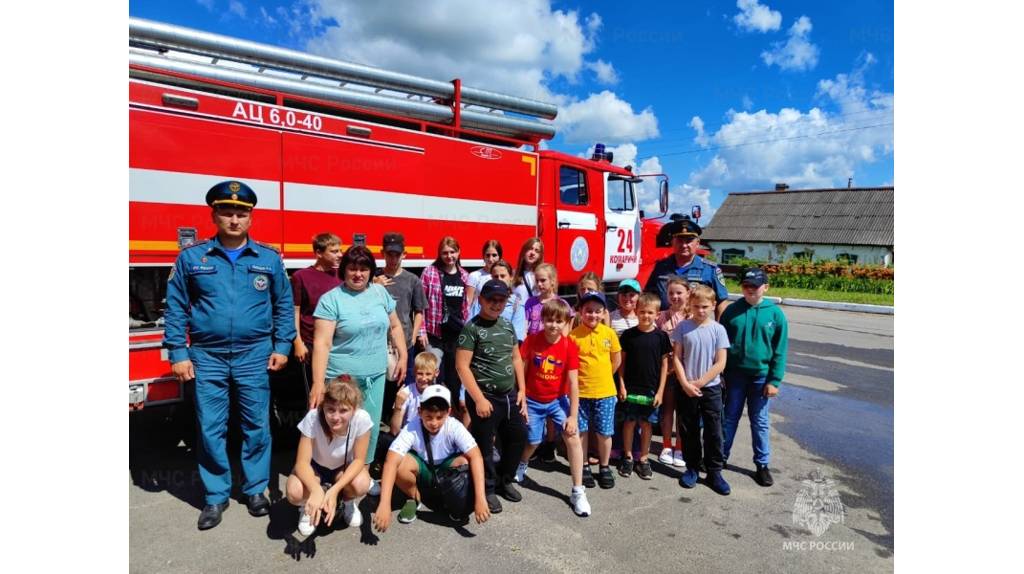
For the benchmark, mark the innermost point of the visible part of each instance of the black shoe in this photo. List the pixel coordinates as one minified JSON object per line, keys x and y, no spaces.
{"x":605,"y":479}
{"x":588,"y":477}
{"x":257,"y":504}
{"x":507,"y":491}
{"x":626,"y":467}
{"x":763,"y":476}
{"x":211,"y":515}
{"x":493,"y":504}
{"x":643,"y":470}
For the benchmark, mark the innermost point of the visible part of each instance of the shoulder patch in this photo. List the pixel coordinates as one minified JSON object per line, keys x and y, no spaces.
{"x":274,"y":248}
{"x":196,"y":244}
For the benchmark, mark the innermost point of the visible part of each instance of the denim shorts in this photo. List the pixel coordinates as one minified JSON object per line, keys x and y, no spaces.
{"x":598,"y":415}
{"x":640,"y":413}
{"x":557,"y":410}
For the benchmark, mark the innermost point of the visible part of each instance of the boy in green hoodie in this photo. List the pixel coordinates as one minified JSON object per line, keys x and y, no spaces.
{"x":756,"y":365}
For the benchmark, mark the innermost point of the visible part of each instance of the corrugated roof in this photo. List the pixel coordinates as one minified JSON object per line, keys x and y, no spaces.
{"x":844,"y":216}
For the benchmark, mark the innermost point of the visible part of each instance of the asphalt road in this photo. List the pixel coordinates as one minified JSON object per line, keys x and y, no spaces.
{"x":834,"y":415}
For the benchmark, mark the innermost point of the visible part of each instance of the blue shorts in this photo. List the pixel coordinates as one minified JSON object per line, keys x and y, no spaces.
{"x":557,"y":410}
{"x":640,"y":413}
{"x":598,"y":415}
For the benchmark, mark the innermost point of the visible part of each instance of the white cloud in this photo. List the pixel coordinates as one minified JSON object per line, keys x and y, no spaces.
{"x":747,"y":102}
{"x":797,"y":53}
{"x":208,"y":4}
{"x":517,"y":48}
{"x":804,"y":149}
{"x":698,"y":126}
{"x":604,"y":71}
{"x":755,"y":17}
{"x":236,"y":8}
{"x":604,"y":117}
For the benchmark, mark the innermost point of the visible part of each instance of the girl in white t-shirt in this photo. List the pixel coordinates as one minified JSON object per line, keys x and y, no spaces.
{"x":332,"y":454}
{"x":491,"y":253}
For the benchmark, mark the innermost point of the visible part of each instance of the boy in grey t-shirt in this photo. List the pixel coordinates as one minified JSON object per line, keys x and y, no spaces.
{"x":699,"y":353}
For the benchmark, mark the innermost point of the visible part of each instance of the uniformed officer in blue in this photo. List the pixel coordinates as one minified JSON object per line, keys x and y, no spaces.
{"x":232,"y":297}
{"x":685,"y":263}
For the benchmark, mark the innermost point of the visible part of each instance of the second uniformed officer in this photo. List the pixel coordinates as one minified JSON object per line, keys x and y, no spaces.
{"x":232,"y":297}
{"x":684,"y":262}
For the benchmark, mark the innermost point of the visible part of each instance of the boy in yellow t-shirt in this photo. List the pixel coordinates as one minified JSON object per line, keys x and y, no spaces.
{"x":600,"y":355}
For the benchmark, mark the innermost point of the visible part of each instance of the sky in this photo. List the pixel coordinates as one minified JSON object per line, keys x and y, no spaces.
{"x":723,"y":97}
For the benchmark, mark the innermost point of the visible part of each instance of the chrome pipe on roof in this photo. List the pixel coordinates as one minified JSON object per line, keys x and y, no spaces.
{"x":493,"y":123}
{"x":147,"y":33}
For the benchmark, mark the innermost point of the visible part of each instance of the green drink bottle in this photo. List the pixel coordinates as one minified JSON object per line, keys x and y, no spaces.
{"x":640,"y":400}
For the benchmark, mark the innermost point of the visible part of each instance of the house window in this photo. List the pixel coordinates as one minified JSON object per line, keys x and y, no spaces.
{"x":804,"y":255}
{"x":846,"y":258}
{"x":729,"y":255}
{"x":572,"y":186}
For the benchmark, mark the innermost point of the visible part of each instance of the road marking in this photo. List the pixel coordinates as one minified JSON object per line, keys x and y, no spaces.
{"x":850,"y":362}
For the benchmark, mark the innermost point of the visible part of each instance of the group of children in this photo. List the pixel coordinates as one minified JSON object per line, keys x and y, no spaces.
{"x":560,"y":372}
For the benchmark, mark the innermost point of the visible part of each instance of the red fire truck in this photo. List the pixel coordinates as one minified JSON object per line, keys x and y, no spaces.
{"x":358,"y":151}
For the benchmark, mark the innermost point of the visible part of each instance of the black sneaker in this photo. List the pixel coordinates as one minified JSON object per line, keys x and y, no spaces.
{"x":626,"y":467}
{"x":493,"y":504}
{"x":506,"y":490}
{"x":763,"y":476}
{"x":588,"y":477}
{"x":643,"y":470}
{"x":605,"y":479}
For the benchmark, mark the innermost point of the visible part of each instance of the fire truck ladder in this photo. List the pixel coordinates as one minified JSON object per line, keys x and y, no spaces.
{"x":160,"y":47}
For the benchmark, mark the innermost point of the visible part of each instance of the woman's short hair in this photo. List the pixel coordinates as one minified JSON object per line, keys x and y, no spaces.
{"x":359,"y":255}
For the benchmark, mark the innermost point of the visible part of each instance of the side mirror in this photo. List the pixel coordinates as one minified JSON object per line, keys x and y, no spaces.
{"x":663,"y":197}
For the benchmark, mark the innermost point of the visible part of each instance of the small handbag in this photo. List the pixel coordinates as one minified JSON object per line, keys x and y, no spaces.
{"x":452,"y":484}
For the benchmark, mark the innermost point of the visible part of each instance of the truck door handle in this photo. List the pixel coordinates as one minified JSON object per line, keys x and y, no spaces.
{"x":613,"y":228}
{"x":563,"y":224}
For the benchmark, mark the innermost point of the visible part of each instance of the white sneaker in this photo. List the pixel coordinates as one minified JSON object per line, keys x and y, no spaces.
{"x":580,"y":504}
{"x":666,"y":456}
{"x":374,"y":488}
{"x":677,"y":459}
{"x":305,"y":527}
{"x":521,"y":472}
{"x":350,"y":512}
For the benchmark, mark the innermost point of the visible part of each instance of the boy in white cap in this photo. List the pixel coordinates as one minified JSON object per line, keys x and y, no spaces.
{"x":408,"y":464}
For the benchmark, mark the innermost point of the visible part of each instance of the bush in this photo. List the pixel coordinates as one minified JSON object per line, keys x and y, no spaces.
{"x":827,"y":275}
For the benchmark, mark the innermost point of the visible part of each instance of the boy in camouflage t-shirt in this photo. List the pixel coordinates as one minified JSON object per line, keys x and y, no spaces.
{"x":491,"y":369}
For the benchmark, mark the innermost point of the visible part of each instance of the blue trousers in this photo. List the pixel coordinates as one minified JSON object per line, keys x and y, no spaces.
{"x":216,"y":372}
{"x":743,"y":389}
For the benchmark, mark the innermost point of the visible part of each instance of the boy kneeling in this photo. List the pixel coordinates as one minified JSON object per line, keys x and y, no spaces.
{"x":433,"y":442}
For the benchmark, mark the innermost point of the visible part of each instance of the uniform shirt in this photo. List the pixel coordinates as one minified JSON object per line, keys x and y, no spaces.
{"x":548,"y":366}
{"x":333,"y":452}
{"x":228,"y":306}
{"x":698,"y":271}
{"x":492,"y":343}
{"x":700,"y":344}
{"x":362,"y":318}
{"x":453,"y":438}
{"x":596,"y":346}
